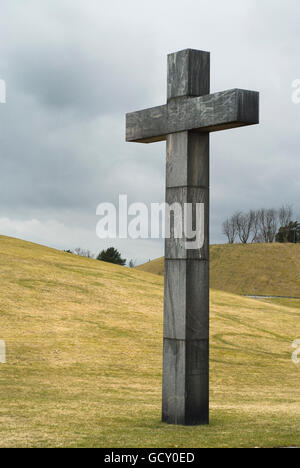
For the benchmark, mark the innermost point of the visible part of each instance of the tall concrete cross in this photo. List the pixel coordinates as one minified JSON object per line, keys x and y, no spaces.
{"x":185,"y":122}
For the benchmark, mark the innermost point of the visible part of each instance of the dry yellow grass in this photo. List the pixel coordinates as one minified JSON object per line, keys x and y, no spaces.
{"x":84,"y":346}
{"x":262,"y":269}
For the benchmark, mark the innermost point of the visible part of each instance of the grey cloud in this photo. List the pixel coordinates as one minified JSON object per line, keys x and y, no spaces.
{"x":74,"y":68}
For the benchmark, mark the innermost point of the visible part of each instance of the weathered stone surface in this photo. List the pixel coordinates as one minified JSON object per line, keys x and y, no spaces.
{"x":185,"y":382}
{"x":211,"y":113}
{"x":173,"y":390}
{"x":147,"y":126}
{"x":184,"y":167}
{"x":177,"y":247}
{"x":187,"y":182}
{"x":186,"y":300}
{"x":198,"y":167}
{"x":197,"y":294}
{"x":197,"y":382}
{"x":177,"y":161}
{"x":175,"y":299}
{"x":188,"y":73}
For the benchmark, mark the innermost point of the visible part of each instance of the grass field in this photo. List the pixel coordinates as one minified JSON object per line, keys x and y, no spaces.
{"x":262,"y":269}
{"x":84,"y":345}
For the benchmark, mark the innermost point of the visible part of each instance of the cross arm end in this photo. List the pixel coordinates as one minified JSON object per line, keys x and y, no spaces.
{"x":247,"y":107}
{"x":147,"y":126}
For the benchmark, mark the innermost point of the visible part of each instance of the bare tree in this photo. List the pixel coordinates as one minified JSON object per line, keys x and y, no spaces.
{"x":272,"y":220}
{"x":268,"y":224}
{"x":262,"y":225}
{"x":244,"y":223}
{"x":256,"y":237}
{"x":258,"y":225}
{"x":227,"y":231}
{"x":230,"y":229}
{"x":285,"y":215}
{"x":83,"y":253}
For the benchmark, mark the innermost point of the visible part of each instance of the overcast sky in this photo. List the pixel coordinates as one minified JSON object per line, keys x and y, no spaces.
{"x":73,"y":68}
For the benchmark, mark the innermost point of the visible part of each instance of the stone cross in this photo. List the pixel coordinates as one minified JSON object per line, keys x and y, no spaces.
{"x":185,"y":122}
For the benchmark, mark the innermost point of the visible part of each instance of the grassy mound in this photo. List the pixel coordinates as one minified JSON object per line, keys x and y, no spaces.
{"x":256,"y":269}
{"x":84,"y":351}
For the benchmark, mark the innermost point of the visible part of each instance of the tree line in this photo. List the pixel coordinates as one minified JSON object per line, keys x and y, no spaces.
{"x":110,"y":255}
{"x":262,"y":226}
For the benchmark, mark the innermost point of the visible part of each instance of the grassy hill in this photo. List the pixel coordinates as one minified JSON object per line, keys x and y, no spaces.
{"x":84,"y":344}
{"x":262,"y":269}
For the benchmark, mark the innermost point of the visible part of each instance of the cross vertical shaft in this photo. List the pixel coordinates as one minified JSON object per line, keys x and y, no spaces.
{"x":186,"y":308}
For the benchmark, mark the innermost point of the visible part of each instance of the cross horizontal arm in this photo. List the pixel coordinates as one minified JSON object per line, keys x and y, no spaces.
{"x":210,"y":113}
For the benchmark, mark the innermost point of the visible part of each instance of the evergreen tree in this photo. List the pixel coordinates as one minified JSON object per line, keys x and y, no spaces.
{"x":289,"y":233}
{"x":111,"y":255}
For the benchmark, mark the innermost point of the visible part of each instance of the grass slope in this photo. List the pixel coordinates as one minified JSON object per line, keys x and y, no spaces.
{"x":262,"y":269}
{"x":84,"y":343}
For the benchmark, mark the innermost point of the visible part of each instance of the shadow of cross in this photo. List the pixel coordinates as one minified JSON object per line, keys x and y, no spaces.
{"x":185,"y":122}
